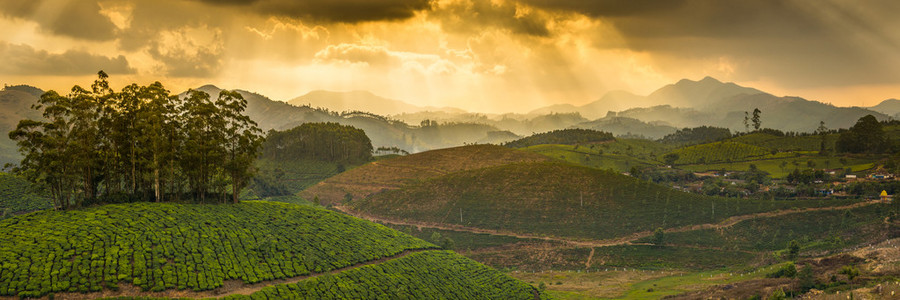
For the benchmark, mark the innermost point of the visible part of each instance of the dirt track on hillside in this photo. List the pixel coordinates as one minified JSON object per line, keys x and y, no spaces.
{"x":629,"y":239}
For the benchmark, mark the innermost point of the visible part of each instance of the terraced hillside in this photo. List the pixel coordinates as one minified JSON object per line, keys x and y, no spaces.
{"x":557,"y":199}
{"x":182,"y":250}
{"x":17,"y":196}
{"x":394,"y":173}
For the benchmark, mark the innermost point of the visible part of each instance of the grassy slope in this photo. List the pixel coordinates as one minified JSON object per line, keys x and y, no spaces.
{"x":16,"y":196}
{"x":721,"y":152}
{"x":173,"y":246}
{"x":545,"y":198}
{"x":774,"y":168}
{"x":396,"y":172}
{"x":820,"y":230}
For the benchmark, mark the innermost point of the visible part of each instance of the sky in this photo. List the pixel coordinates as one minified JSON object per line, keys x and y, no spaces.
{"x":479,"y":55}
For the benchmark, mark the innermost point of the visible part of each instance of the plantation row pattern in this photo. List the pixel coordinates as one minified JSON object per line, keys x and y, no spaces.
{"x":557,"y":199}
{"x":180,"y":246}
{"x":16,"y":196}
{"x":421,"y":275}
{"x":720,"y":152}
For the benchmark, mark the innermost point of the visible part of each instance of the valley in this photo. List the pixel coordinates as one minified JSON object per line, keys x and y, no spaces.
{"x":568,"y":213}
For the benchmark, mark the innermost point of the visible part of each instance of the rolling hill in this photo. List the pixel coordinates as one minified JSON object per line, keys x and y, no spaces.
{"x":890,"y":107}
{"x":395,"y":173}
{"x":247,"y":250}
{"x":15,"y":104}
{"x":555,"y":199}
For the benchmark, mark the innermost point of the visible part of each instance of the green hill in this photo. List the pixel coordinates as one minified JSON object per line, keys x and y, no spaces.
{"x":563,"y":136}
{"x":619,"y":155}
{"x":152,"y":249}
{"x":396,"y":172}
{"x":17,"y":196}
{"x":556,"y":199}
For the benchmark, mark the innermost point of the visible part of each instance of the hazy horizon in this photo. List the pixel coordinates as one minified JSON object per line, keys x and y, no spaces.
{"x":481,"y":56}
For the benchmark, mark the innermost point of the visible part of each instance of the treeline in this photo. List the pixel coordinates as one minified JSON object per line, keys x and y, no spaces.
{"x":697,"y":135}
{"x":139,"y":144}
{"x":563,"y":136}
{"x":331,"y":142}
{"x":866,"y":136}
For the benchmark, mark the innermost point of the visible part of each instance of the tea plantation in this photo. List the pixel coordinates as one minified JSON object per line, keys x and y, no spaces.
{"x":421,"y":275}
{"x":559,"y":199}
{"x":17,"y":196}
{"x":183,"y":246}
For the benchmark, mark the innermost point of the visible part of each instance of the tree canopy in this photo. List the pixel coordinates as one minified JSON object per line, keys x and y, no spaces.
{"x":563,"y":136}
{"x":331,"y":142}
{"x":138,"y":144}
{"x":866,"y":136}
{"x":697,"y":135}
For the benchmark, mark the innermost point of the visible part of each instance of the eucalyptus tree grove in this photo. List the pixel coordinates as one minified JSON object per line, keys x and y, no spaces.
{"x":138,"y":144}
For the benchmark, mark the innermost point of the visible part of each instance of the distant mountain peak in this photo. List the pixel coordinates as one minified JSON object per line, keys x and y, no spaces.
{"x":209,"y":87}
{"x":710,"y":79}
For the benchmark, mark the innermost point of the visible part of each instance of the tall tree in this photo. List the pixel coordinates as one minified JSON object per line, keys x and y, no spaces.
{"x":756,"y":119}
{"x":137,"y":144}
{"x":242,"y":140}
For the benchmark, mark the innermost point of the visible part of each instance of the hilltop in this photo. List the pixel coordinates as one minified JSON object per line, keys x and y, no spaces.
{"x":251,"y":249}
{"x":394,"y":173}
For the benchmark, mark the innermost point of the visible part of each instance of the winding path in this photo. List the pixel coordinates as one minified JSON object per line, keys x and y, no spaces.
{"x":629,"y":239}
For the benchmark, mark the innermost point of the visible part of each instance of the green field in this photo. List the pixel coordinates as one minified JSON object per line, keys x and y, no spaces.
{"x":18,"y":196}
{"x":178,"y":246}
{"x":723,"y":152}
{"x":781,"y":167}
{"x":787,"y":143}
{"x":558,"y":199}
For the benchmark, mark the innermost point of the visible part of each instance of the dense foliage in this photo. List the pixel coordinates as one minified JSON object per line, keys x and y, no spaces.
{"x":867,"y":136}
{"x":18,"y":196}
{"x":563,"y":136}
{"x":697,"y":135}
{"x":160,"y":246}
{"x":331,"y":142}
{"x":140,"y":143}
{"x":422,"y":275}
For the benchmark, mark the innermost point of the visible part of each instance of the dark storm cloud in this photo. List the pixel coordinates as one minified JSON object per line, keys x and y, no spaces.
{"x":798,"y":43}
{"x":342,"y":11}
{"x":606,"y":8}
{"x":77,"y":19}
{"x":476,"y":15}
{"x":28,"y":61}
